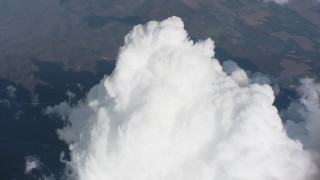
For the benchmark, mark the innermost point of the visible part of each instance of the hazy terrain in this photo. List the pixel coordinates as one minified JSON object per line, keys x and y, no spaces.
{"x":76,"y":34}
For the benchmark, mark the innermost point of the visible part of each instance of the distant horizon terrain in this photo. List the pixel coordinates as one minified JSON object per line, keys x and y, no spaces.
{"x":88,"y":88}
{"x":278,"y":39}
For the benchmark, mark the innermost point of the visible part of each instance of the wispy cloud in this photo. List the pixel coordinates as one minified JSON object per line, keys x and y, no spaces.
{"x":5,"y":102}
{"x":282,"y":2}
{"x":11,"y":91}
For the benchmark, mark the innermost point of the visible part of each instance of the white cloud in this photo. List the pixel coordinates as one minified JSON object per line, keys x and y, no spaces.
{"x":282,"y":2}
{"x":71,"y":95}
{"x":35,"y":169}
{"x":11,"y":91}
{"x":170,"y":111}
{"x":243,"y":79}
{"x":32,"y":163}
{"x":303,"y":117}
{"x":236,"y":73}
{"x":63,"y":109}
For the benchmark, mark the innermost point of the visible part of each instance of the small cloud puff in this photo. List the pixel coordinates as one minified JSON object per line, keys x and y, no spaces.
{"x":32,"y":163}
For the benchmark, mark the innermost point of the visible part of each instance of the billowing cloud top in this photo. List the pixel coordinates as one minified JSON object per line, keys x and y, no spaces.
{"x":169,"y":111}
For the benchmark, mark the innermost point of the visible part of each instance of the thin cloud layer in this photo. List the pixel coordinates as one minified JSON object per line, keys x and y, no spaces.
{"x":5,"y":102}
{"x":171,"y":111}
{"x":281,"y":2}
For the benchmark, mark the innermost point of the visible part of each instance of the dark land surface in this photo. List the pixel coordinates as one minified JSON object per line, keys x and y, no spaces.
{"x":48,"y":47}
{"x":78,"y":33}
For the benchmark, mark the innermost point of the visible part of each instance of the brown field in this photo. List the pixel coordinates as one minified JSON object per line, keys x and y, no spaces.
{"x":292,"y":68}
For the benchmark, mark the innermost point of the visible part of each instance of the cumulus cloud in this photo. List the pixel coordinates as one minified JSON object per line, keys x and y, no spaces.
{"x":243,"y":78}
{"x":236,"y":73}
{"x":171,"y":111}
{"x":11,"y":91}
{"x":303,"y":117}
{"x":62,"y":110}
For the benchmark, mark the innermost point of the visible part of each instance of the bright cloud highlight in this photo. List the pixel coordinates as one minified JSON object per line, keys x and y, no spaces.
{"x":171,"y":111}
